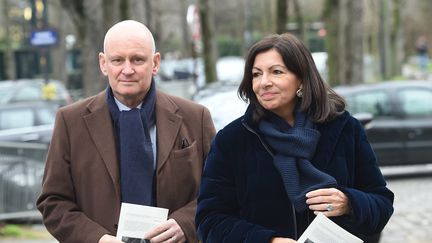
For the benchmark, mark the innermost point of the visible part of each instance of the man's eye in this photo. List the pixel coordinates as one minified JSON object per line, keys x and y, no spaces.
{"x":116,"y":61}
{"x":138,"y":61}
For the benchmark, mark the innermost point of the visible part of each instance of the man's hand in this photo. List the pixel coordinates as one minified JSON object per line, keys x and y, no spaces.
{"x":109,"y":239}
{"x":169,"y":231}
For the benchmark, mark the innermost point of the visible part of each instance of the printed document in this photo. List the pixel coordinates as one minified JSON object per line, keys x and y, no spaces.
{"x":135,"y":220}
{"x":323,"y":230}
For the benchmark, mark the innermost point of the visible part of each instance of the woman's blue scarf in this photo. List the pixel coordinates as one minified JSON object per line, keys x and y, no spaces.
{"x":295,"y":147}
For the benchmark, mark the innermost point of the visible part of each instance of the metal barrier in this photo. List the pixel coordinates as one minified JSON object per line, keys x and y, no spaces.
{"x":21,"y":172}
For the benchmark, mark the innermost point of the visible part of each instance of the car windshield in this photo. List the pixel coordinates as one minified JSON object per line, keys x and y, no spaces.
{"x":27,"y":116}
{"x":33,"y":90}
{"x":375,"y":102}
{"x":416,"y":102}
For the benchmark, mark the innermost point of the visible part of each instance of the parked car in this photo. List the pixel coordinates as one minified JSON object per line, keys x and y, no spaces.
{"x":222,"y":101}
{"x":27,"y":122}
{"x":320,"y":59}
{"x":20,"y":186}
{"x":25,"y":132}
{"x":27,"y":90}
{"x":228,"y":69}
{"x":401,"y":129}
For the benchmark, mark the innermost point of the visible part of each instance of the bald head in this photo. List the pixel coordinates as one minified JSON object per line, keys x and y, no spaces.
{"x":129,"y":29}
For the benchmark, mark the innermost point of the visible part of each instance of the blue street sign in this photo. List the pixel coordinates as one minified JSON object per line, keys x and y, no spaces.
{"x":43,"y":38}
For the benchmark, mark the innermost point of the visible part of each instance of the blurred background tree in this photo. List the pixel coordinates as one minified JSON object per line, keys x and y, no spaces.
{"x":377,"y":36}
{"x":209,"y":43}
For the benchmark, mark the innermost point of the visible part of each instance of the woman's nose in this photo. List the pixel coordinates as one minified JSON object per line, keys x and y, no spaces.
{"x":266,"y":80}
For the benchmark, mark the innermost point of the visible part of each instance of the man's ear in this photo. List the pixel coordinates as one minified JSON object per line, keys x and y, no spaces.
{"x":156,"y":63}
{"x":102,"y":63}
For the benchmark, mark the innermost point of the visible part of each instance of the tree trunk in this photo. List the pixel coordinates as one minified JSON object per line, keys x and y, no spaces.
{"x":137,"y":11}
{"x":384,"y":41}
{"x":148,"y":13}
{"x":9,"y":55}
{"x":108,"y":13}
{"x":156,"y":26}
{"x":186,"y":37}
{"x":396,"y":40}
{"x":209,"y":46}
{"x":124,"y":9}
{"x":92,"y":45}
{"x":300,"y":22}
{"x":59,"y":52}
{"x":281,"y":16}
{"x":332,"y":44}
{"x":354,"y":43}
{"x":344,"y":41}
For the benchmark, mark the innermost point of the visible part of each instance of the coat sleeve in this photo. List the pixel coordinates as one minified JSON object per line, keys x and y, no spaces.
{"x":218,"y":209}
{"x":371,"y":200}
{"x":61,"y":214}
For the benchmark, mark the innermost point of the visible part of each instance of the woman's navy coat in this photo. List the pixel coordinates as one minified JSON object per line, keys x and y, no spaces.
{"x":242,"y":197}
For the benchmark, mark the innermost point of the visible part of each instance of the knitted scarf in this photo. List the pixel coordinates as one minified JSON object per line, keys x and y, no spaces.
{"x":135,"y":148}
{"x":294,"y":148}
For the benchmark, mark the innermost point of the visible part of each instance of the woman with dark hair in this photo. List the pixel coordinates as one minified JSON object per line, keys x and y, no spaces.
{"x":295,"y":153}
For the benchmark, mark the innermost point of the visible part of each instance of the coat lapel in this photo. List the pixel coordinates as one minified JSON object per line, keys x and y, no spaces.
{"x":167,"y":125}
{"x":101,"y":130}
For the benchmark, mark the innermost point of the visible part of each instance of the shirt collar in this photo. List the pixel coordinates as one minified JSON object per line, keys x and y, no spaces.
{"x":123,"y":107}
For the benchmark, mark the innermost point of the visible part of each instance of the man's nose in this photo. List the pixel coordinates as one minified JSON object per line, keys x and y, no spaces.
{"x":128,"y":68}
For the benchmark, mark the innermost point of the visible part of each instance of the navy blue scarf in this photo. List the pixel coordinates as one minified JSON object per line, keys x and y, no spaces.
{"x":135,"y":148}
{"x":295,"y":147}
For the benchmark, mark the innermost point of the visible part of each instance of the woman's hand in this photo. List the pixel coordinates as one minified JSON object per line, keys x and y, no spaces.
{"x":329,"y":201}
{"x":282,"y":240}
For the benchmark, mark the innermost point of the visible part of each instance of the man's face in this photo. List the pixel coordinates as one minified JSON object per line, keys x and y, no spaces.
{"x":129,"y":63}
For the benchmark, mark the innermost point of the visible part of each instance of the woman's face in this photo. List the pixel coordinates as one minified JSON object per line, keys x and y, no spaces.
{"x":274,"y":85}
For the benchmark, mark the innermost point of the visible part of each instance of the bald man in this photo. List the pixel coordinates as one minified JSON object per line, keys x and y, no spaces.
{"x":94,"y":163}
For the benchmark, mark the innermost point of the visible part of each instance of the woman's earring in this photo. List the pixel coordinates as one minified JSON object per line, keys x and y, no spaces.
{"x":299,"y":92}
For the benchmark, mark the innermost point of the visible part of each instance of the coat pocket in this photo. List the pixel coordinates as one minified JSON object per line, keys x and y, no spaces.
{"x":185,"y":152}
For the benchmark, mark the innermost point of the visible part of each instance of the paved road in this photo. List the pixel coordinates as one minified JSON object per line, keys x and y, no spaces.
{"x":412,"y":219}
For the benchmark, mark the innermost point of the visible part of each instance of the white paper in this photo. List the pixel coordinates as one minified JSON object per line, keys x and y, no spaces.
{"x":323,"y":230}
{"x":135,"y":220}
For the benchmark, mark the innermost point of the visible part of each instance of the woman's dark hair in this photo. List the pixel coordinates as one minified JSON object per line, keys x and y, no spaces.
{"x":318,"y":100}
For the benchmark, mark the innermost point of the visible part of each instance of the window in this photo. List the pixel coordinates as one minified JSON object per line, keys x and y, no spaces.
{"x":416,"y":102}
{"x":28,"y":93}
{"x":16,"y":118}
{"x":46,"y":116}
{"x":375,"y":102}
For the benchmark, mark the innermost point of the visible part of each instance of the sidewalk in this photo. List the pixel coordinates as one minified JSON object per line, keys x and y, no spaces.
{"x":39,"y":235}
{"x":412,"y":72}
{"x":6,"y":240}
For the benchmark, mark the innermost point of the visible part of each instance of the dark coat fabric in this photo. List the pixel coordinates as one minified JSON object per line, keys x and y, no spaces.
{"x":81,"y":197}
{"x":242,"y":197}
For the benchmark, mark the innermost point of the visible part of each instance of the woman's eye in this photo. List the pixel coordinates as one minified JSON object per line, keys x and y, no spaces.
{"x":277,"y":72}
{"x":255,"y":75}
